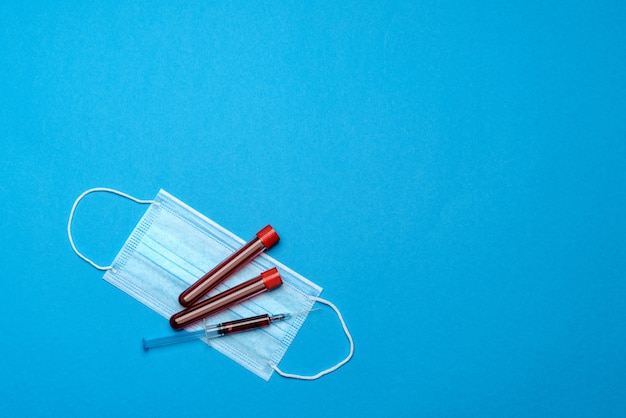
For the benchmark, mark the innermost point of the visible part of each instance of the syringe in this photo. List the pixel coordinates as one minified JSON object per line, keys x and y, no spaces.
{"x":218,"y":330}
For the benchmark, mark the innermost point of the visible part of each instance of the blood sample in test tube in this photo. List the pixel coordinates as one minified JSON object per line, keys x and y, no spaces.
{"x":268,"y":280}
{"x":263,"y":240}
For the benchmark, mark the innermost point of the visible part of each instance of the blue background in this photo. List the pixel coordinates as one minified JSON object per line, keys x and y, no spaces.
{"x":451,"y":174}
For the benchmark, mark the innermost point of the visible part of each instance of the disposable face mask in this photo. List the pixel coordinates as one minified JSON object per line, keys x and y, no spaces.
{"x":173,"y":245}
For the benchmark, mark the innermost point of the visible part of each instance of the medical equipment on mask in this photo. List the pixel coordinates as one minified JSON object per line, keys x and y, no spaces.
{"x":172,"y":245}
{"x":220,"y":330}
{"x":264,"y":239}
{"x":267,"y":280}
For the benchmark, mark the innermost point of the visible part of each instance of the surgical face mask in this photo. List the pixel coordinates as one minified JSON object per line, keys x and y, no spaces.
{"x":173,"y":245}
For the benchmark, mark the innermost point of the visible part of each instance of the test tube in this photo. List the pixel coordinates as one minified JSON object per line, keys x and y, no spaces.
{"x":264,"y":239}
{"x":268,"y":280}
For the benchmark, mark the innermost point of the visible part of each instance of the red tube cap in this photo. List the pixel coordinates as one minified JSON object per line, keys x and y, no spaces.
{"x":271,"y":278}
{"x":268,"y":236}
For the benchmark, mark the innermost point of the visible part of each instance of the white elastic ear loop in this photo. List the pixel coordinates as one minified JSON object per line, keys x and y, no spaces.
{"x":336,"y":366}
{"x":69,"y":222}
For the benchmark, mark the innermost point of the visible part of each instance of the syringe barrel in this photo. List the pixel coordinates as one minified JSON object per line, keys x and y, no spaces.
{"x":263,"y":240}
{"x":268,"y":280}
{"x":244,"y":324}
